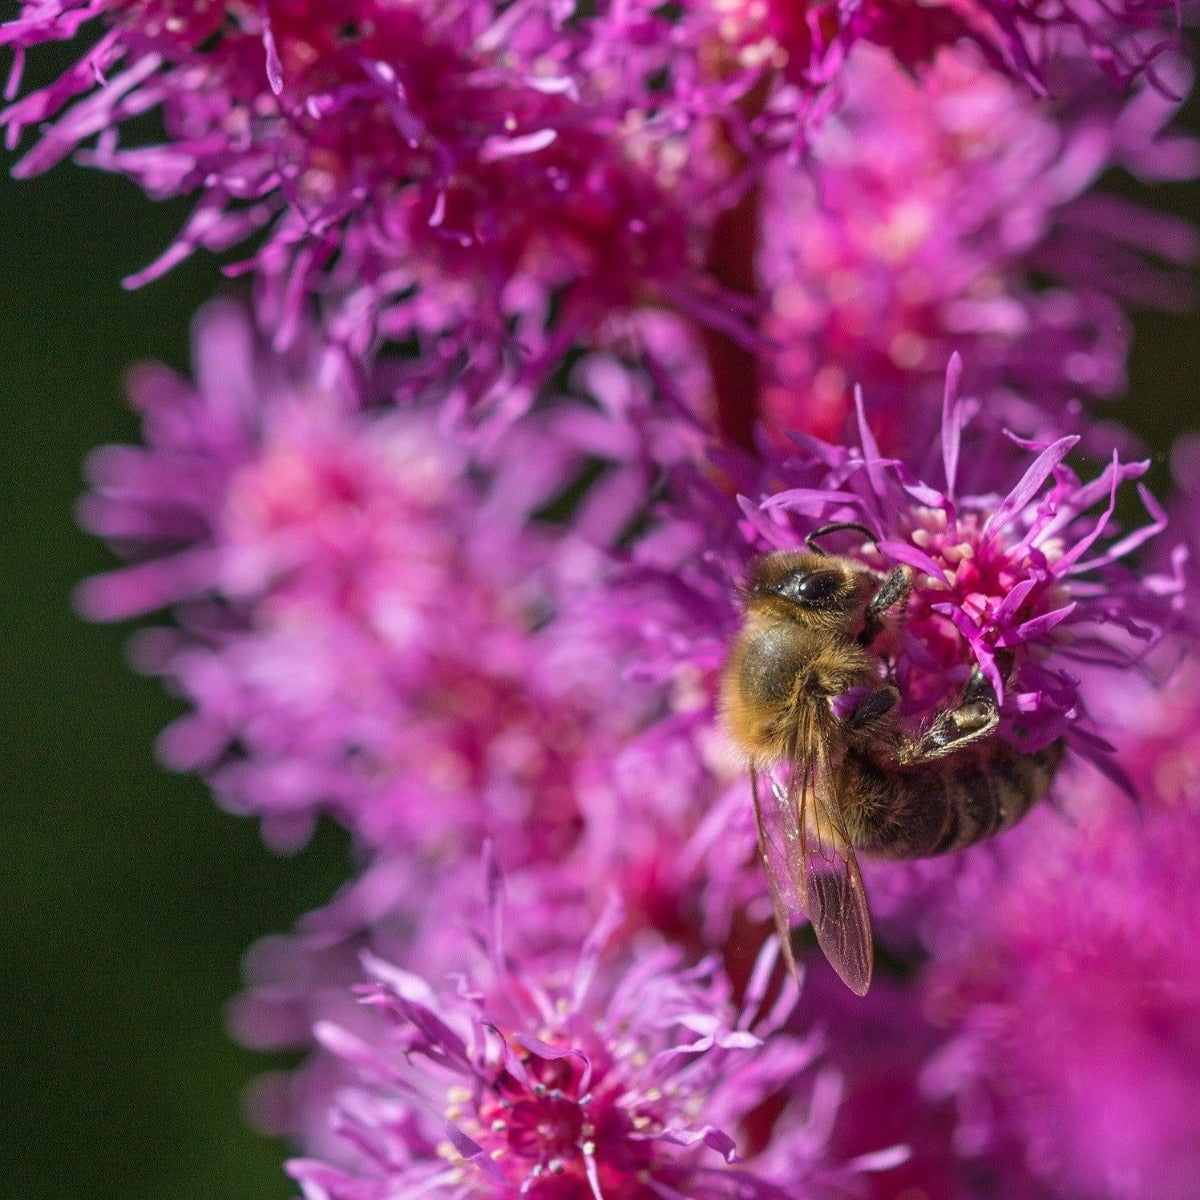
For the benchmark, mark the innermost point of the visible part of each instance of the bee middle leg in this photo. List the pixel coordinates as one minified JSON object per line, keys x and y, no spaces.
{"x":874,"y":706}
{"x":974,"y":717}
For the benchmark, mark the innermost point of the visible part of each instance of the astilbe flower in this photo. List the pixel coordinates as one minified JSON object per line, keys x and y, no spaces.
{"x":1025,"y":582}
{"x":635,"y":807}
{"x":666,"y":822}
{"x":483,"y":183}
{"x":809,"y":42}
{"x":1071,"y":999}
{"x":642,"y":835}
{"x":433,"y":170}
{"x":916,"y":226}
{"x":393,"y":910}
{"x":355,"y":615}
{"x":599,"y":1077}
{"x":1056,"y":963}
{"x":878,"y":1047}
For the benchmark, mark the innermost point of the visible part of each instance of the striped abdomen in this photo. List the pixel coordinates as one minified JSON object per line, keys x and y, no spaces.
{"x":934,"y":807}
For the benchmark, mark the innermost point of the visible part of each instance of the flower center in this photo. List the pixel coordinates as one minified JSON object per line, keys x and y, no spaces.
{"x":979,"y":575}
{"x":549,"y":1125}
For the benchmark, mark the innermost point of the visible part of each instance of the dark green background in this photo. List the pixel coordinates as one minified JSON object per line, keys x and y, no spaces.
{"x":127,"y":897}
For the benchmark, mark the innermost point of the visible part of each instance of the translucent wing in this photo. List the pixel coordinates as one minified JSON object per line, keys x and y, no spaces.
{"x":834,"y":895}
{"x":809,"y":861}
{"x":775,"y":837}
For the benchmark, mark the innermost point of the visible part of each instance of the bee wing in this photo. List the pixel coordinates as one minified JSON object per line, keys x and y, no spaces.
{"x":834,"y":894}
{"x":810,"y":864}
{"x":778,"y":842}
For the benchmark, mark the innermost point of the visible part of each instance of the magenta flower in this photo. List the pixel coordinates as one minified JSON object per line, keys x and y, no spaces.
{"x":915,"y":227}
{"x":878,"y":1046}
{"x":1025,"y":583}
{"x":393,"y":909}
{"x":280,"y":463}
{"x":1026,"y":573}
{"x":485,"y":184}
{"x":1073,"y":1000}
{"x":601,"y":1080}
{"x":433,"y":170}
{"x":356,"y":635}
{"x":811,"y":41}
{"x":1024,"y":580}
{"x":566,"y":312}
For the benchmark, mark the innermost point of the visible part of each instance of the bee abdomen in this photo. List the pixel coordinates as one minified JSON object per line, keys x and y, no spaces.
{"x":933,"y":808}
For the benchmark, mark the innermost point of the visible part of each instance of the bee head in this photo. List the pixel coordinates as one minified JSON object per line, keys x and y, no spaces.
{"x":812,"y":582}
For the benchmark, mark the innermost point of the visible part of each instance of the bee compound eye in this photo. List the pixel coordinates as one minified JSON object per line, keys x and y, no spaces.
{"x":811,"y":588}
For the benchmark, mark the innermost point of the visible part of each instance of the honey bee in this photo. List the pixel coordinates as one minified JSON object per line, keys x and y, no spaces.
{"x":859,"y":781}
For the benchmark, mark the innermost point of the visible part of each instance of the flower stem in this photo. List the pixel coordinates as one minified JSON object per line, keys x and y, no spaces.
{"x":734,"y":367}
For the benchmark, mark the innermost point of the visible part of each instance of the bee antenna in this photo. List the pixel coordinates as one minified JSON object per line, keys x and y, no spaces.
{"x":836,"y":527}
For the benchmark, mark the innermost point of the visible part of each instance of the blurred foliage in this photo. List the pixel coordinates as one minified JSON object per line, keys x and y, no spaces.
{"x":128,"y":897}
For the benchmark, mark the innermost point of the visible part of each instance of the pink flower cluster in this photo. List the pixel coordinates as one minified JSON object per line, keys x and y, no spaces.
{"x":561,"y":315}
{"x":926,"y":210}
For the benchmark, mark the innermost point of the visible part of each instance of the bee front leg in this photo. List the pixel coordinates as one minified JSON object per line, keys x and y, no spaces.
{"x":893,"y":591}
{"x":975,"y":716}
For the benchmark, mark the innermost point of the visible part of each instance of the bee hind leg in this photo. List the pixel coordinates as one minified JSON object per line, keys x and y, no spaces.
{"x":974,"y":717}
